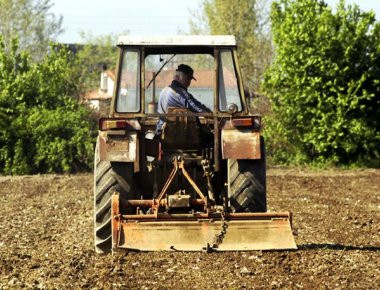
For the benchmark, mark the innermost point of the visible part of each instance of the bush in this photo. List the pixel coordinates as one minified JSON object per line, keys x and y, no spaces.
{"x":324,"y":84}
{"x":43,"y":127}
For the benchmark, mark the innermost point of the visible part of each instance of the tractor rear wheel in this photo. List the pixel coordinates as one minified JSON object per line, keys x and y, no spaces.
{"x":109,"y":177}
{"x":247,"y":184}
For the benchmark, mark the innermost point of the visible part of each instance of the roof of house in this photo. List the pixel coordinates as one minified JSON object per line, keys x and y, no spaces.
{"x":110,"y":74}
{"x":184,"y":40}
{"x":205,"y":78}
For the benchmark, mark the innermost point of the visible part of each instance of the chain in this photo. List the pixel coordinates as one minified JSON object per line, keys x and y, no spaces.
{"x":218,"y":239}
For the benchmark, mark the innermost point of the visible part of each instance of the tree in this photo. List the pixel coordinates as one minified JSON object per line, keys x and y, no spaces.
{"x":31,"y":22}
{"x":324,"y":83}
{"x":42,"y":126}
{"x":247,"y":21}
{"x":96,"y":53}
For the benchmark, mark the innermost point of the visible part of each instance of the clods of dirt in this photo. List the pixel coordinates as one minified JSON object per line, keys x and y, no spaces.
{"x":46,"y":239}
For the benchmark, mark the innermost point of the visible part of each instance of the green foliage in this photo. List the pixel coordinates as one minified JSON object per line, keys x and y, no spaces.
{"x":324,"y":84}
{"x":247,"y":21}
{"x":42,"y":126}
{"x":31,"y":22}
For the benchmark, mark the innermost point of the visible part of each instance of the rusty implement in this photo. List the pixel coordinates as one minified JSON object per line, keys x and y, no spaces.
{"x":215,"y":231}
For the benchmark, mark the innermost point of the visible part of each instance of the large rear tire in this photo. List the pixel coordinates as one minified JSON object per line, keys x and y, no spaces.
{"x":109,"y":177}
{"x":247,"y":184}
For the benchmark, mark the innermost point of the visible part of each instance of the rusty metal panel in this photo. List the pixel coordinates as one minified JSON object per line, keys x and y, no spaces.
{"x":240,"y":144}
{"x":121,"y":148}
{"x":198,"y":231}
{"x":241,"y":235}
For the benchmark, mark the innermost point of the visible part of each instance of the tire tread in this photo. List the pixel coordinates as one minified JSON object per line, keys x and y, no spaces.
{"x":109,"y":177}
{"x":247,"y":184}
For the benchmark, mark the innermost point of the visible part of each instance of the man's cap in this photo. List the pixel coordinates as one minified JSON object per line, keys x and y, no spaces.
{"x":187,"y":70}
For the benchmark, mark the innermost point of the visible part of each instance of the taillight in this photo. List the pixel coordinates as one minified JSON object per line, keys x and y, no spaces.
{"x":254,"y":122}
{"x":105,"y":124}
{"x":242,"y":122}
{"x":118,"y":124}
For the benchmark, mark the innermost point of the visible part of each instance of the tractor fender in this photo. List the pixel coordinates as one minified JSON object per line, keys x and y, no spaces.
{"x":240,"y":143}
{"x":118,"y":146}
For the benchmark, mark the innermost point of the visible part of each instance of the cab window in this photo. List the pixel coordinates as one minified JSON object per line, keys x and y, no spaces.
{"x":228,"y":84}
{"x":128,"y":94}
{"x":164,"y":65}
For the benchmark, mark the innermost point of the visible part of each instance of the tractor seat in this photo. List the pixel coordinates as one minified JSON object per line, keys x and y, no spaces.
{"x":181,"y":132}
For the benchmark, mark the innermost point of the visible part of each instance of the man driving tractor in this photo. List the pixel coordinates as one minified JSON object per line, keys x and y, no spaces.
{"x":176,"y":95}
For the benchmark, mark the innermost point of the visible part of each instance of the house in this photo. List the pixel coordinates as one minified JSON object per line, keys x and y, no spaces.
{"x":100,"y":99}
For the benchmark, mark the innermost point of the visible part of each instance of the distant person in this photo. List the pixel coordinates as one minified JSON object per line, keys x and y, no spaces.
{"x":177,"y":96}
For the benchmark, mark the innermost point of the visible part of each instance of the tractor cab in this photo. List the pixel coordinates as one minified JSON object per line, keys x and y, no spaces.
{"x":147,"y":65}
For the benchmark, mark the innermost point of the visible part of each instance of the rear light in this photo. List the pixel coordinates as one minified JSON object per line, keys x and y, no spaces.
{"x":254,"y":122}
{"x":118,"y":124}
{"x":105,"y":124}
{"x":242,"y":122}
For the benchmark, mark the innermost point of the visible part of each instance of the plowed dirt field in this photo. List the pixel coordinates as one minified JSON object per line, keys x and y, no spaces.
{"x":46,"y":239}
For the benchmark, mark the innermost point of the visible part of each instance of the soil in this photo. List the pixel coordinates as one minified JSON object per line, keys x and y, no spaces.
{"x":46,"y":239}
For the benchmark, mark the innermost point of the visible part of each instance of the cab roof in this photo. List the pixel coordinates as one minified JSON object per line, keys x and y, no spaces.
{"x":178,"y":40}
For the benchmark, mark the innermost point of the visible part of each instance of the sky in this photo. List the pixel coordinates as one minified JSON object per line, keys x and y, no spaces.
{"x":139,"y":17}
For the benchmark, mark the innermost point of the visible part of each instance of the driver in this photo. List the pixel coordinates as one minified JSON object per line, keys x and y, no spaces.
{"x":176,"y":95}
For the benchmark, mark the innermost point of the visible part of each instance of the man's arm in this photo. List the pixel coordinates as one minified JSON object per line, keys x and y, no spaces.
{"x":192,"y":103}
{"x":186,"y":100}
{"x":196,"y":106}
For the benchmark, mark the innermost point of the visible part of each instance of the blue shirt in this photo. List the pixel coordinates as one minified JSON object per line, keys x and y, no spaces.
{"x":177,"y":96}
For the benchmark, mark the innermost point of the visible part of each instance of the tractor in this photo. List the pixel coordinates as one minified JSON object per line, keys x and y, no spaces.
{"x":201,"y":184}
